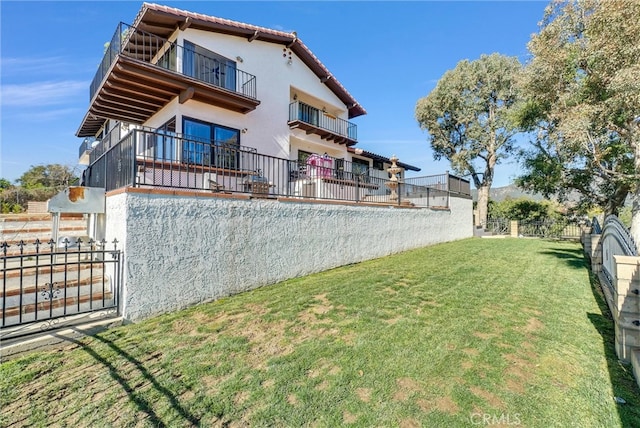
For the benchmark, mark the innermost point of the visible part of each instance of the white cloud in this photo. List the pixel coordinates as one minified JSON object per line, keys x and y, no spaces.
{"x":26,"y":65}
{"x":42,"y":93}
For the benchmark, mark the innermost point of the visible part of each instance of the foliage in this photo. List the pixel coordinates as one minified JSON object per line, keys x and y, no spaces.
{"x":467,"y":118}
{"x":38,"y":183}
{"x":15,"y":199}
{"x":582,"y":91}
{"x":5,"y":184}
{"x":54,"y":176}
{"x":524,"y":209}
{"x":423,"y":338}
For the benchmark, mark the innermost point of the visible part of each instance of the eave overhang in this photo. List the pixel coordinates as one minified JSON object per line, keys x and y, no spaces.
{"x":164,"y":20}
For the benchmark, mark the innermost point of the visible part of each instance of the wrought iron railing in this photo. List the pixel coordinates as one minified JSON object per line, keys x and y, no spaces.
{"x":561,"y":229}
{"x":320,"y":119}
{"x":497,"y":226}
{"x":86,"y":146}
{"x":143,"y":46}
{"x":47,"y":281}
{"x":145,"y":158}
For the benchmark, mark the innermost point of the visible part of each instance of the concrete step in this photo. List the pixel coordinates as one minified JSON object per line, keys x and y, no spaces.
{"x":45,"y":309}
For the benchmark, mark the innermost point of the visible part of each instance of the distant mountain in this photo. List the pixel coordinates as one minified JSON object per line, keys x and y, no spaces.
{"x":508,"y":192}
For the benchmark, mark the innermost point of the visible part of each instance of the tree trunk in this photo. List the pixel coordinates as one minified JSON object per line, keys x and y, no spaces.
{"x":483,"y":204}
{"x":616,"y":201}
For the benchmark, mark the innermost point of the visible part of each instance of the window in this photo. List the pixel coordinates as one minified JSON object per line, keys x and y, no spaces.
{"x":168,"y":59}
{"x":165,"y":141}
{"x":359,"y":166}
{"x":208,"y":66}
{"x":210,"y":144}
{"x":302,"y":157}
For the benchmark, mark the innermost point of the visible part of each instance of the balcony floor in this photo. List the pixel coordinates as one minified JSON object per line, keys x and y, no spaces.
{"x":323,"y":133}
{"x":134,"y":90}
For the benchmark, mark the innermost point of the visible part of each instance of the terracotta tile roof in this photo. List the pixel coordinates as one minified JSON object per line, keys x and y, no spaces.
{"x":381,"y":158}
{"x":151,"y":11}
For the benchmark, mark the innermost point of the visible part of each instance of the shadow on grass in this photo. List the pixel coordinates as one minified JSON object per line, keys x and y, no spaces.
{"x":621,"y":375}
{"x":142,"y":404}
{"x":573,"y":257}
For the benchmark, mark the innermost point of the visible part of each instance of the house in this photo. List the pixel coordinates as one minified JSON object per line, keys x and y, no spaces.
{"x":186,"y":100}
{"x":229,"y":158}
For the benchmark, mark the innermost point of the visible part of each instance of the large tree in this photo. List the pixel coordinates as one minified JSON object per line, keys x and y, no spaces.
{"x":52,"y":176}
{"x":467,"y":119}
{"x":582,"y":86}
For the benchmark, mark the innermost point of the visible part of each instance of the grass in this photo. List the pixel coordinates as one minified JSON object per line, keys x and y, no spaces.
{"x":467,"y":333}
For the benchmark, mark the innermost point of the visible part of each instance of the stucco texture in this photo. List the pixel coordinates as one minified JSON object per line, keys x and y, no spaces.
{"x":179,"y":251}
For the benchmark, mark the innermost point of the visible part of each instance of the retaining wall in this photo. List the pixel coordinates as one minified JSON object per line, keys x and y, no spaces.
{"x":183,"y":248}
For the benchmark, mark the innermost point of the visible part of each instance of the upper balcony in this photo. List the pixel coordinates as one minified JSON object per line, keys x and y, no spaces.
{"x":316,"y":121}
{"x":141,"y":73}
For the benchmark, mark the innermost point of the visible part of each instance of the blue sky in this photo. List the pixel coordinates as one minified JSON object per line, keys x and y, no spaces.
{"x":387,"y":55}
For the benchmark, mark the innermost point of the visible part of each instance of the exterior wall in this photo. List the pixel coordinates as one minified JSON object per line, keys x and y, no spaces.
{"x":181,"y":250}
{"x":267,"y":128}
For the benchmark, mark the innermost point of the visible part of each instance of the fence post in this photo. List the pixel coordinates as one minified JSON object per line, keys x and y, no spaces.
{"x":626,"y":284}
{"x":514,"y":228}
{"x":596,"y":253}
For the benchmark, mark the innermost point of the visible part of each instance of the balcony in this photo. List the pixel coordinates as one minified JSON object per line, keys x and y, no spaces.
{"x":140,"y":73}
{"x":84,"y":151}
{"x":316,"y":121}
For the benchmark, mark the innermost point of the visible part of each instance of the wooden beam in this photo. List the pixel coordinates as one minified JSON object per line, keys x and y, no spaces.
{"x":147,"y":101}
{"x":186,"y":24}
{"x":129,"y":105}
{"x":139,"y":93}
{"x":186,"y":95}
{"x":155,"y":27}
{"x":152,"y":75}
{"x":117,"y":114}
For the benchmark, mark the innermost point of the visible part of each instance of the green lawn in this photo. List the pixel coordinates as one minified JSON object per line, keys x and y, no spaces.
{"x":467,"y":333}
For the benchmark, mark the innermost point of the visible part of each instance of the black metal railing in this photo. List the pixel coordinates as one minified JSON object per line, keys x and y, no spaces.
{"x":45,"y":281}
{"x":86,"y":146}
{"x":560,"y":229}
{"x":143,"y":46}
{"x":145,"y":158}
{"x":322,"y":120}
{"x":497,"y":225}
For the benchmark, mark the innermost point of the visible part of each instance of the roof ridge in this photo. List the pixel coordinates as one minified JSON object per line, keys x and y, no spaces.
{"x":294,"y":40}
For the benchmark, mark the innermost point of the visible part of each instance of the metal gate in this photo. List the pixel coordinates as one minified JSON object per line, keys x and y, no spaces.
{"x":45,"y":281}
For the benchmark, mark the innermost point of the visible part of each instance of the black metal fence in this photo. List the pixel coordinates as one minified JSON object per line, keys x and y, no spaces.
{"x":44,"y":281}
{"x":498,"y":226}
{"x":155,"y":159}
{"x":560,"y":229}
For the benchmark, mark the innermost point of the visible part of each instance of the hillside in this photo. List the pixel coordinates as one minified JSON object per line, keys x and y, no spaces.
{"x":507,"y":192}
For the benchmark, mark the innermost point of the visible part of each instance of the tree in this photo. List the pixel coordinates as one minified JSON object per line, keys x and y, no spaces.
{"x":582,"y":89}
{"x":467,"y":119}
{"x":5,"y":184}
{"x":52,"y":176}
{"x":525,"y":209}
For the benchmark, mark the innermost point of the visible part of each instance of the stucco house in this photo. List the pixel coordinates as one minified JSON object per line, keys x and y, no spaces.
{"x":186,"y":100}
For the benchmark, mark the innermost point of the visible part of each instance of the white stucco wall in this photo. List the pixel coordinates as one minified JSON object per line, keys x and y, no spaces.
{"x":267,"y":128}
{"x":179,"y":250}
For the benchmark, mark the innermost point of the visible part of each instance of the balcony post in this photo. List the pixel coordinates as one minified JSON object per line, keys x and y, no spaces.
{"x":134,"y":164}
